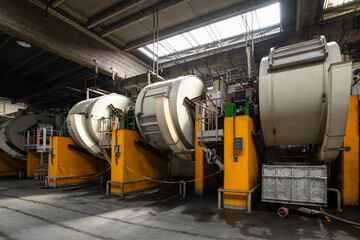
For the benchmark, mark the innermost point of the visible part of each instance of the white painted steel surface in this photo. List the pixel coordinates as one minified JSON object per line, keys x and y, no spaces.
{"x":296,"y":102}
{"x":12,"y":136}
{"x":163,"y":117}
{"x":82,"y":120}
{"x":233,"y":88}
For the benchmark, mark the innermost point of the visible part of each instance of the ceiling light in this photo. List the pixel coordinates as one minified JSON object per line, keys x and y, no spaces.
{"x":23,"y":44}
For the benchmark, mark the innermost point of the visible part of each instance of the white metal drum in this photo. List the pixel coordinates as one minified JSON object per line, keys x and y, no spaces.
{"x":163,"y":116}
{"x":12,"y":136}
{"x":82,"y":120}
{"x":297,"y":90}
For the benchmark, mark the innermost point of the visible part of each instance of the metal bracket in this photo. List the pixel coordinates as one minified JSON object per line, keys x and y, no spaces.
{"x":52,"y":154}
{"x":346,"y":149}
{"x":113,"y":75}
{"x":52,"y":151}
{"x":96,"y":66}
{"x":117,"y":151}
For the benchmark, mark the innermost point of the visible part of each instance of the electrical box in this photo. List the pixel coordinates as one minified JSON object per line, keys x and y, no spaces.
{"x":238,"y":143}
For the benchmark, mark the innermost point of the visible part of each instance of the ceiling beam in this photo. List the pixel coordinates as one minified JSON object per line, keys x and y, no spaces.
{"x":112,"y":12}
{"x":25,"y":60}
{"x":288,"y":14}
{"x":38,"y":66}
{"x":62,"y":74}
{"x":5,"y":41}
{"x":25,"y":20}
{"x":139,"y":16}
{"x":236,"y":57}
{"x":81,"y":77}
{"x":54,"y":98}
{"x":57,"y":3}
{"x":227,"y":12}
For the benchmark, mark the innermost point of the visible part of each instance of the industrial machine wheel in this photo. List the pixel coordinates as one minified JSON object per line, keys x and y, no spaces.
{"x":283,"y":212}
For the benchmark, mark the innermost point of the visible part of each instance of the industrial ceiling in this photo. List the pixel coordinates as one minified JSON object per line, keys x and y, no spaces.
{"x":77,"y":44}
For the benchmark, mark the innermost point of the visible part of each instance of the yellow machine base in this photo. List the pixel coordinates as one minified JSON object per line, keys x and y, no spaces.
{"x":241,"y":166}
{"x":132,"y":164}
{"x":203,"y":169}
{"x":67,"y":162}
{"x":347,"y":166}
{"x":10,"y":166}
{"x":33,"y":159}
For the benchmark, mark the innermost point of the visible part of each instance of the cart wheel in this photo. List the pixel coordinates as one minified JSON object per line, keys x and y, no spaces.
{"x":283,"y":212}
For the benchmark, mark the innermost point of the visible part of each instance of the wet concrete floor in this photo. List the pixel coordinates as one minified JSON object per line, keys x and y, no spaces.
{"x":30,"y":211}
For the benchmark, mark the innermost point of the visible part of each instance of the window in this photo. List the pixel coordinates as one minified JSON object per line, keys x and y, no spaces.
{"x":338,"y":8}
{"x":214,"y":37}
{"x":336,"y":3}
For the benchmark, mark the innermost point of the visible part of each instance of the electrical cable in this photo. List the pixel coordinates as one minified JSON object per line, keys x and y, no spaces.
{"x":338,"y":218}
{"x":95,"y":175}
{"x":159,"y":181}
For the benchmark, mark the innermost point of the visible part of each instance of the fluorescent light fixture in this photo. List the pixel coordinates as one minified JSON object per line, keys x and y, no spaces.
{"x":23,"y":44}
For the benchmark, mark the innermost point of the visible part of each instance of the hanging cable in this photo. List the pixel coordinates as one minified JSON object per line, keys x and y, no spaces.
{"x":157,"y":41}
{"x":169,"y":182}
{"x":153,"y":61}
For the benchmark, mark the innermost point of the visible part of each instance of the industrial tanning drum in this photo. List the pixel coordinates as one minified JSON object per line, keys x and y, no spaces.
{"x":164,"y":117}
{"x":12,"y":137}
{"x":83,"y":119}
{"x":304,"y":94}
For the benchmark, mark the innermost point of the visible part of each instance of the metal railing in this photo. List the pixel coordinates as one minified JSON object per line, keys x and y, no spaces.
{"x":207,"y":114}
{"x":105,"y":127}
{"x":54,"y":185}
{"x":249,"y":193}
{"x":108,"y":184}
{"x":39,"y":139}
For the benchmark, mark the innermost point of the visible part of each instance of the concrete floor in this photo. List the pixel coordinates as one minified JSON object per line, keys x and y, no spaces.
{"x":29,"y":211}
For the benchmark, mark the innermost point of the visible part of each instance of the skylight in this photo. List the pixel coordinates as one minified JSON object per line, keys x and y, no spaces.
{"x":336,"y":3}
{"x":217,"y":35}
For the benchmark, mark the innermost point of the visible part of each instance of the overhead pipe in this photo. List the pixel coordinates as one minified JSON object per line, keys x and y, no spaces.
{"x":88,"y":90}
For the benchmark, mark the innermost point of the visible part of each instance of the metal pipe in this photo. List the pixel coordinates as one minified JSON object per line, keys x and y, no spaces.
{"x":338,"y":194}
{"x":252,"y":26}
{"x":148,"y":77}
{"x":182,"y":188}
{"x":93,"y":91}
{"x":41,"y":158}
{"x":74,"y":176}
{"x":57,"y":3}
{"x":108,"y":184}
{"x":153,"y":67}
{"x":157,"y":41}
{"x":248,"y":56}
{"x":156,"y":75}
{"x":298,"y":14}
